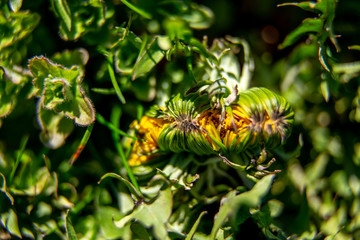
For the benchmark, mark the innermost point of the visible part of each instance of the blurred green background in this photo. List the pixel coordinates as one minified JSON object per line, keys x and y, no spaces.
{"x":318,"y":190}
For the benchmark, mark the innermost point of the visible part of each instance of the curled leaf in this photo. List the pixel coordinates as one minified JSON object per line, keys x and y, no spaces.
{"x":59,"y":89}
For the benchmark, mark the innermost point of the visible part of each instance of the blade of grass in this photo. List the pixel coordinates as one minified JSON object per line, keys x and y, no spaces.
{"x":137,"y":10}
{"x":113,"y":79}
{"x":23,"y":143}
{"x":82,"y":144}
{"x":194,"y":227}
{"x":70,"y":231}
{"x":115,"y":119}
{"x":111,"y":126}
{"x":105,"y":91}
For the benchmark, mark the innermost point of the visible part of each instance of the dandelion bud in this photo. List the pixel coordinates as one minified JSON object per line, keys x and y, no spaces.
{"x":183,"y":133}
{"x":271,"y":116}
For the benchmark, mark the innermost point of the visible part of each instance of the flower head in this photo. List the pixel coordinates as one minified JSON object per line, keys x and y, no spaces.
{"x":148,"y":129}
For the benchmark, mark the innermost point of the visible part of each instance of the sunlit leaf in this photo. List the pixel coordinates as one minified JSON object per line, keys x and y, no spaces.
{"x":307,"y":5}
{"x":60,"y":90}
{"x":68,"y":58}
{"x":249,"y":199}
{"x":309,"y":25}
{"x":6,"y":95}
{"x":147,"y":59}
{"x":62,"y":8}
{"x":70,"y":231}
{"x":18,"y":25}
{"x":10,"y":221}
{"x":140,"y":11}
{"x":79,"y":18}
{"x":15,"y":5}
{"x":325,"y":90}
{"x":354,"y":47}
{"x":194,"y":227}
{"x":56,"y":127}
{"x":44,"y":182}
{"x":153,"y":214}
{"x":4,"y":189}
{"x":106,"y":216}
{"x":200,"y":17}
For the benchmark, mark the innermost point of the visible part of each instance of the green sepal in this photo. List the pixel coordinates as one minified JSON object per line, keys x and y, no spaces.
{"x":172,"y":139}
{"x":183,"y":134}
{"x":197,"y":143}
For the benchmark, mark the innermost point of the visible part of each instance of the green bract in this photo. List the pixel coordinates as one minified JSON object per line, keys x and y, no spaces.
{"x":271,"y":116}
{"x":182,"y":133}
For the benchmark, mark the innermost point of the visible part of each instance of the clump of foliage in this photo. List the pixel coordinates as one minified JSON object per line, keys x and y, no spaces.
{"x":140,"y":120}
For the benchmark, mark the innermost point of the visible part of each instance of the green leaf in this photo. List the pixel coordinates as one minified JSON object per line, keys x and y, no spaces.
{"x":60,"y":90}
{"x":354,"y":47}
{"x":325,"y":90}
{"x":126,"y":51}
{"x":56,"y":127}
{"x":44,"y":182}
{"x":199,"y":17}
{"x":19,"y":154}
{"x":177,"y":29}
{"x":78,"y":18}
{"x":70,"y":231}
{"x":136,"y":9}
{"x":63,"y":10}
{"x":15,"y":5}
{"x":18,"y":26}
{"x":10,"y":221}
{"x":194,"y":227}
{"x":4,"y":189}
{"x":147,"y":59}
{"x":139,"y":231}
{"x":12,"y":224}
{"x":246,"y":200}
{"x":153,"y":214}
{"x":262,"y":216}
{"x":309,"y":25}
{"x":106,"y":216}
{"x":7,"y":92}
{"x":308,"y":6}
{"x":69,"y":58}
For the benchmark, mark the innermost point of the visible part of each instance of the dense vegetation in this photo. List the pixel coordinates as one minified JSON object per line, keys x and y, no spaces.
{"x":169,"y":119}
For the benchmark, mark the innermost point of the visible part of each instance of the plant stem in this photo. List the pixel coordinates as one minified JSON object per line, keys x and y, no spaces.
{"x":115,"y":119}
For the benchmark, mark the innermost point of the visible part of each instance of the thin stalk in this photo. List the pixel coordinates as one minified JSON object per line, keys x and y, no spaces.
{"x":137,"y":10}
{"x":82,"y":144}
{"x":115,"y":119}
{"x":113,"y":79}
{"x":20,"y":152}
{"x":105,"y":91}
